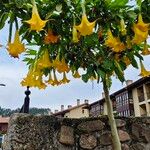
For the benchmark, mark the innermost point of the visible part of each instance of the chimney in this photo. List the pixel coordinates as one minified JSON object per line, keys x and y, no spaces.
{"x":103,"y":95}
{"x":78,"y":102}
{"x":56,"y":111}
{"x":86,"y":101}
{"x":69,"y":106}
{"x":128,"y":82}
{"x":62,"y":107}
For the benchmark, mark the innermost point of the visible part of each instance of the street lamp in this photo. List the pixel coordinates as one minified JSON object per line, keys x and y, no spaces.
{"x":2,"y":85}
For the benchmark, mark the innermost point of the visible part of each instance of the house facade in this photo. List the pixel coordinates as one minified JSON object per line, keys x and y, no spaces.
{"x":3,"y":124}
{"x":132,"y":100}
{"x":78,"y":111}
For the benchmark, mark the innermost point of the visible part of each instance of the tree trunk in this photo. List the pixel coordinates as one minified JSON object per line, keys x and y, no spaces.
{"x":115,"y":137}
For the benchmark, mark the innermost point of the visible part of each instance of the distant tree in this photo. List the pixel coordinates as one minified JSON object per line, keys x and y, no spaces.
{"x":34,"y":111}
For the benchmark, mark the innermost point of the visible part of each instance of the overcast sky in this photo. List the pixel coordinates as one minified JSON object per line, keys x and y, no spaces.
{"x":12,"y":95}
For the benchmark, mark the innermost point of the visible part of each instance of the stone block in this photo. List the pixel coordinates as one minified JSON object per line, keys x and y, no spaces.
{"x":120,"y":123}
{"x":138,"y":146}
{"x":105,"y":138}
{"x":125,"y":147}
{"x":123,"y":135}
{"x":90,"y":126}
{"x":136,"y":130}
{"x":87,"y":141}
{"x":146,"y":134}
{"x":66,"y":135}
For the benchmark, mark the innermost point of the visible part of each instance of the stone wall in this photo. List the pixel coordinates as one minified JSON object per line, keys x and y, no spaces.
{"x":27,"y":132}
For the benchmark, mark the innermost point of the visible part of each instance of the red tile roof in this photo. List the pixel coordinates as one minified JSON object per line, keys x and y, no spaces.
{"x":4,"y":119}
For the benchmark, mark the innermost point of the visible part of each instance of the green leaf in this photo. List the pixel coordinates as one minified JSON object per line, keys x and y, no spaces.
{"x":139,"y":2}
{"x":118,"y":71}
{"x":3,"y":19}
{"x":20,"y":3}
{"x":85,"y":77}
{"x":118,"y":3}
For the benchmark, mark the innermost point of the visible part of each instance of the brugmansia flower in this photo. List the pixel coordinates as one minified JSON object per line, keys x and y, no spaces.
{"x":44,"y":61}
{"x":122,"y":27}
{"x":51,"y":38}
{"x":36,"y":23}
{"x":64,"y":80}
{"x":86,"y":27}
{"x":16,"y":47}
{"x":34,"y":79}
{"x":76,"y":74}
{"x":114,"y":43}
{"x":145,"y":50}
{"x":55,"y":81}
{"x":140,"y":30}
{"x":50,"y":80}
{"x":144,"y":72}
{"x":60,"y":65}
{"x":75,"y":35}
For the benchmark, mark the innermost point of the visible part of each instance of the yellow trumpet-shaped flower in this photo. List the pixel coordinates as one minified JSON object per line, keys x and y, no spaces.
{"x":140,"y":30}
{"x":16,"y":47}
{"x":141,"y":25}
{"x":64,"y":80}
{"x":50,"y":80}
{"x":75,"y":35}
{"x":86,"y":27}
{"x":60,"y":65}
{"x":36,"y":23}
{"x":114,"y":43}
{"x":76,"y":74}
{"x":122,"y":27}
{"x":145,"y":51}
{"x":44,"y":61}
{"x":144,"y":72}
{"x":55,"y":81}
{"x":33,"y":79}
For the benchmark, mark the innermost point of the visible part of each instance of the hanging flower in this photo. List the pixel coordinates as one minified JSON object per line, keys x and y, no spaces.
{"x":60,"y":65}
{"x":44,"y":61}
{"x":114,"y":43}
{"x":145,"y":51}
{"x":140,"y":30}
{"x":34,"y":79}
{"x":75,"y":35}
{"x":86,"y":27}
{"x":122,"y":27}
{"x":76,"y":74}
{"x":144,"y":72}
{"x":16,"y":47}
{"x":36,"y":23}
{"x":64,"y":80}
{"x":55,"y":81}
{"x":50,"y":37}
{"x":50,"y":80}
